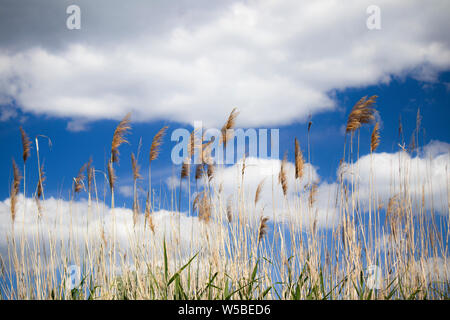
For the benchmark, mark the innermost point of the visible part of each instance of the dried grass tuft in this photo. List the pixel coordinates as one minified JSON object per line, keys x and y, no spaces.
{"x":111,"y":176}
{"x":156,"y":143}
{"x":78,"y":181}
{"x":375,"y":138}
{"x":282,"y":179}
{"x":135,"y":167}
{"x":362,"y":113}
{"x":262,"y":230}
{"x":15,"y":189}
{"x":258,"y":191}
{"x":299,"y":161}
{"x":119,"y":137}
{"x":40,"y":186}
{"x":227,"y":132}
{"x":26,"y":145}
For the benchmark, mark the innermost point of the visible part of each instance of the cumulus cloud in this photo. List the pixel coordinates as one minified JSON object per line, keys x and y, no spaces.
{"x":424,"y":177}
{"x":7,"y":113}
{"x":68,"y":224}
{"x":293,"y":208}
{"x":126,"y":191}
{"x":378,"y":176}
{"x":198,"y":63}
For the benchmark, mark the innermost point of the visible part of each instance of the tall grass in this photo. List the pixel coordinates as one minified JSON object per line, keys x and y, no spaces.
{"x":227,"y":249}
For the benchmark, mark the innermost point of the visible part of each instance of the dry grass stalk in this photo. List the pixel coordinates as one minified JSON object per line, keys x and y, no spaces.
{"x":195,"y":203}
{"x":15,"y":189}
{"x":119,"y":137}
{"x":185,"y":168}
{"x":262,"y":230}
{"x":299,"y":161}
{"x":26,"y":145}
{"x":40,"y":186}
{"x":78,"y":181}
{"x":282,"y":179}
{"x":258,"y":191}
{"x":312,"y":194}
{"x":135,"y":167}
{"x":111,"y":176}
{"x":243,"y":166}
{"x":362,"y":113}
{"x":148,"y":214}
{"x":156,"y":143}
{"x":89,"y":174}
{"x":206,"y":152}
{"x":198,"y":171}
{"x":375,"y":138}
{"x":229,"y":209}
{"x":227,"y":132}
{"x":210,"y":171}
{"x":194,"y":142}
{"x":204,"y":207}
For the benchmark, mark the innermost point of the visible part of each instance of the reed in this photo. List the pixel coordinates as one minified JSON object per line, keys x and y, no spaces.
{"x":235,"y":250}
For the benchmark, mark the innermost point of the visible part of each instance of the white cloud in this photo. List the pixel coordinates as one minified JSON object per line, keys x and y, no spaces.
{"x":7,"y":113}
{"x":272,"y":203}
{"x":77,"y":125}
{"x":126,"y":191}
{"x":70,"y":223}
{"x":380,"y":175}
{"x":260,"y":56}
{"x":388,"y":174}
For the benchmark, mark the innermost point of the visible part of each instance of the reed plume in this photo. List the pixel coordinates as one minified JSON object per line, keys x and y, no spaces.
{"x":201,"y":203}
{"x":195,"y":203}
{"x":78,"y":181}
{"x":135,"y":167}
{"x":206,"y":152}
{"x":229,"y":209}
{"x":282,"y":179}
{"x":40,"y":189}
{"x":258,"y":191}
{"x":210,"y":171}
{"x":262,"y":230}
{"x":299,"y":161}
{"x":26,"y":145}
{"x":136,"y":176}
{"x":362,"y":113}
{"x":375,"y":138}
{"x":312,"y":194}
{"x":198,"y":171}
{"x":40,"y":186}
{"x":15,"y":189}
{"x":119,"y":137}
{"x":156,"y":143}
{"x":111,"y":176}
{"x":185,"y":168}
{"x":89,"y":174}
{"x":227,"y":132}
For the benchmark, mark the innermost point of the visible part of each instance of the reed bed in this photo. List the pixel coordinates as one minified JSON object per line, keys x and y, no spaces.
{"x":226,"y":246}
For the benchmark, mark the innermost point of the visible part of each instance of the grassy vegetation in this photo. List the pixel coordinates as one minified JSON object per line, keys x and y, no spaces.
{"x":232,"y":250}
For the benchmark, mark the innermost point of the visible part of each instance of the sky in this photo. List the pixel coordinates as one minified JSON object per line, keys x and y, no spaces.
{"x":281,"y":63}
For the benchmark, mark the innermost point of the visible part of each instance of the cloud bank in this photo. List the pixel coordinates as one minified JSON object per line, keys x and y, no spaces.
{"x":195,"y":62}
